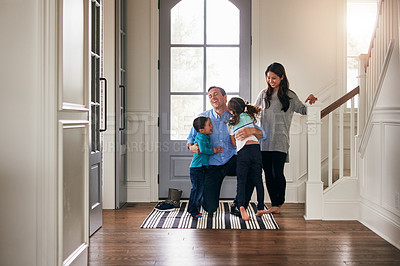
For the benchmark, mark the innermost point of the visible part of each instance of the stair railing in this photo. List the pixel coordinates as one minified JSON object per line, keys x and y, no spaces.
{"x":314,"y":184}
{"x":328,"y":111}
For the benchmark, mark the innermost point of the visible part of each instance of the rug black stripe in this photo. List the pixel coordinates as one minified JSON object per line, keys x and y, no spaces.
{"x":259,"y":219}
{"x":209,"y":221}
{"x":227,"y":209}
{"x":194,"y":223}
{"x":179,"y":215}
{"x":243,"y":223}
{"x":153,"y":222}
{"x":162,"y":220}
{"x":273,"y":221}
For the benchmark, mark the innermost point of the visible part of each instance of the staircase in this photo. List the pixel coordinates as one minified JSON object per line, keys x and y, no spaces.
{"x":332,"y":187}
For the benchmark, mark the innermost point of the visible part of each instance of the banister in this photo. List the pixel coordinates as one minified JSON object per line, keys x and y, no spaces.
{"x":340,"y":101}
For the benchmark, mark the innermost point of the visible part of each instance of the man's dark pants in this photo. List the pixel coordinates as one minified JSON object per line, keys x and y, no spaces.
{"x":213,"y":182}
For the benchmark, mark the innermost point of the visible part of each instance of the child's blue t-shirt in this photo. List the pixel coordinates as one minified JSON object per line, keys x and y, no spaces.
{"x":201,"y":159}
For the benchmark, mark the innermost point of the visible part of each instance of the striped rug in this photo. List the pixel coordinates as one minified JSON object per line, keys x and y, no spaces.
{"x":221,"y":219}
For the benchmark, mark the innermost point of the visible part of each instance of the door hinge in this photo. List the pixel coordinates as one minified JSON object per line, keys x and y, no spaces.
{"x":158,"y":121}
{"x":158,"y":179}
{"x":158,"y":64}
{"x":158,"y":4}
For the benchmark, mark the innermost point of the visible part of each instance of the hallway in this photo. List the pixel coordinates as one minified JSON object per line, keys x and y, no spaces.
{"x":121,"y":242}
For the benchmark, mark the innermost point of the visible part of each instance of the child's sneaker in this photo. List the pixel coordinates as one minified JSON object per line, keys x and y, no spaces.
{"x":164,"y":206}
{"x":195,"y":216}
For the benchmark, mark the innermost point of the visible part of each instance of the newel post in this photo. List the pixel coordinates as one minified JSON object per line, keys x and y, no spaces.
{"x":314,"y":185}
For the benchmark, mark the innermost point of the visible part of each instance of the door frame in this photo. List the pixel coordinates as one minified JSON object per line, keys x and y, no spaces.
{"x":120,"y":127}
{"x":182,"y":158}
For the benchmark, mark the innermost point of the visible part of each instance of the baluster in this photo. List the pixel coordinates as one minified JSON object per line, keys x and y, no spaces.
{"x":389,"y":20}
{"x":381,"y":47}
{"x":330,"y":149}
{"x":352,"y":147}
{"x":341,"y":151}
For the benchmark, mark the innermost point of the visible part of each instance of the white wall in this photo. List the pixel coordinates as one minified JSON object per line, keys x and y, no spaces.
{"x":20,"y":134}
{"x":142,"y":100}
{"x":380,"y":169}
{"x":307,"y":37}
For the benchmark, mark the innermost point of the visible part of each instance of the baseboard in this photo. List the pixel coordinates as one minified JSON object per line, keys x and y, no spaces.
{"x":345,"y":210}
{"x":295,"y":193}
{"x":139,"y":194}
{"x":380,"y":224}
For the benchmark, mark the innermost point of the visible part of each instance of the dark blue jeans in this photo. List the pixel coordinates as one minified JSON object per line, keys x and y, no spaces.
{"x":249,"y":169}
{"x":197,"y":175}
{"x":213,"y":182}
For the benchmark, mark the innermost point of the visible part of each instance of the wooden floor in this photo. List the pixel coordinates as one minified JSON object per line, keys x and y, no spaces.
{"x":121,"y":242}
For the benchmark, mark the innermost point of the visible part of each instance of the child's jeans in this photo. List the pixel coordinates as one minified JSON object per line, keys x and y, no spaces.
{"x":249,"y":168}
{"x":197,"y":175}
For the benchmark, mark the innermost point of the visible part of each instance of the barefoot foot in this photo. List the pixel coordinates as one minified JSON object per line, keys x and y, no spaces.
{"x":274,"y":209}
{"x":244,"y":214}
{"x":260,"y":213}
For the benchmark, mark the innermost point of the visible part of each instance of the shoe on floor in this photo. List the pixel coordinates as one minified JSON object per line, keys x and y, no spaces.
{"x":174,"y":203}
{"x":164,"y":206}
{"x":235,"y":210}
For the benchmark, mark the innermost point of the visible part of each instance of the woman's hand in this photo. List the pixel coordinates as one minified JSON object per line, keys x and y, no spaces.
{"x":311,"y":99}
{"x":194,"y":148}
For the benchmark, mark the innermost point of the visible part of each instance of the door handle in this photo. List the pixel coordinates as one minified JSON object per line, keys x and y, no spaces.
{"x":105,"y":105}
{"x":123,"y":106}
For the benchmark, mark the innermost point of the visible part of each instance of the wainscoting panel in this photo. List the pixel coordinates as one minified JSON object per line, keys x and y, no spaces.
{"x":73,"y":188}
{"x":142,"y":149}
{"x":380,"y":171}
{"x":136,"y":148}
{"x":391,"y":168}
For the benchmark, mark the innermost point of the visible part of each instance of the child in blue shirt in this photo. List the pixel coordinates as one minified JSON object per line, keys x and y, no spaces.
{"x":199,"y":163}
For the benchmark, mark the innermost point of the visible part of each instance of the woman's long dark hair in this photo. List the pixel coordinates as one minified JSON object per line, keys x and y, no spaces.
{"x":237,"y":105}
{"x":283,"y":97}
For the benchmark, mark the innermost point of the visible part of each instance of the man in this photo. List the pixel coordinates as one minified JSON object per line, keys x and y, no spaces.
{"x":224,"y":163}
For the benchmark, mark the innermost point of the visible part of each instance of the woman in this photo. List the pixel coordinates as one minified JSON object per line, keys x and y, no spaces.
{"x":278,"y":103}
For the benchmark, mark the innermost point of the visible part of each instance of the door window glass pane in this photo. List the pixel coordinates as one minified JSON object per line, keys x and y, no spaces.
{"x":187,"y":22}
{"x":186,"y":69}
{"x":223,"y":68}
{"x":184,"y":109}
{"x":222,"y":27}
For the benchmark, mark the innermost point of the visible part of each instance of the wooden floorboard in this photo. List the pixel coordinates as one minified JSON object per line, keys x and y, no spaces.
{"x":121,"y":242}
